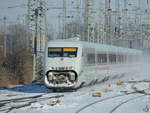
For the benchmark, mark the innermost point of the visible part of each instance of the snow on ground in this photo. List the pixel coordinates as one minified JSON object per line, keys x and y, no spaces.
{"x":82,"y":101}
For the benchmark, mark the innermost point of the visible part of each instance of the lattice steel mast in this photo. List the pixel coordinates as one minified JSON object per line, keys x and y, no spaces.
{"x":36,"y":21}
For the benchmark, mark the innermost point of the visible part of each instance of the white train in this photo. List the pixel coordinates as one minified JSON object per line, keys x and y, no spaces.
{"x":68,"y":63}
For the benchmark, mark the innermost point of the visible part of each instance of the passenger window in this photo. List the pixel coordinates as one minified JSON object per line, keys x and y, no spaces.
{"x":101,"y":58}
{"x":91,"y":58}
{"x":112,"y":58}
{"x":121,"y":58}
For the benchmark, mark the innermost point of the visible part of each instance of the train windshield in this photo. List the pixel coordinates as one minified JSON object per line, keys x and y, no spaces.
{"x":62,"y":52}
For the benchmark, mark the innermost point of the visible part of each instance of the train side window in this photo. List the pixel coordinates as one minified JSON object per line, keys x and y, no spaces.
{"x":125,"y":58}
{"x":91,"y":58}
{"x":121,"y":58}
{"x":101,"y":58}
{"x":112,"y":58}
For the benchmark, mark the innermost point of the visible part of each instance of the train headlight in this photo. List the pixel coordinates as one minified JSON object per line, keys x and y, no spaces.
{"x":50,"y":76}
{"x":72,"y":76}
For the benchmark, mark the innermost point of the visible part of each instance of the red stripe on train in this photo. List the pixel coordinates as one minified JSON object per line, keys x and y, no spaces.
{"x":114,"y":67}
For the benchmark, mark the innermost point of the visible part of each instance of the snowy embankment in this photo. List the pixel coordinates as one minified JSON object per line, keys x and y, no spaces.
{"x":129,"y":94}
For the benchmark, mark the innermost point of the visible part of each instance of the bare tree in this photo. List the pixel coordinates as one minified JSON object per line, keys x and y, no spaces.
{"x":17,"y":53}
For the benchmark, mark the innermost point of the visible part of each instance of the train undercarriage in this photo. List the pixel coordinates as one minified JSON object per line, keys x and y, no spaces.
{"x":61,"y":79}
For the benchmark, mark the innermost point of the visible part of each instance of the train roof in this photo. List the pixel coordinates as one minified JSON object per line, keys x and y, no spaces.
{"x":98,"y":47}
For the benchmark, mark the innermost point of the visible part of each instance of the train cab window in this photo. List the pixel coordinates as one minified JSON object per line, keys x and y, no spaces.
{"x":55,"y":52}
{"x":62,"y":52}
{"x":69,"y":52}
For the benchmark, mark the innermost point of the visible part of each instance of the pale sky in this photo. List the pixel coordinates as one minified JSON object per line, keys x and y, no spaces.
{"x":12,"y":13}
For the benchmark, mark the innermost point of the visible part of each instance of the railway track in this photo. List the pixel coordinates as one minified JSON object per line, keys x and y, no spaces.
{"x":133,"y":86}
{"x":99,"y":101}
{"x":23,"y":102}
{"x":18,"y":103}
{"x":119,"y":105}
{"x":111,"y":98}
{"x":27,"y":101}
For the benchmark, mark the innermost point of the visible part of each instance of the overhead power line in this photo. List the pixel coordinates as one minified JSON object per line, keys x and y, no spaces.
{"x":21,"y":5}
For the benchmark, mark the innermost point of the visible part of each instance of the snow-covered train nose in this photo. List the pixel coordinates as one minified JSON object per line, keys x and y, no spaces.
{"x":61,"y":78}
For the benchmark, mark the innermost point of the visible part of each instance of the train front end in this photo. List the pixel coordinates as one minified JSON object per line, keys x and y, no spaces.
{"x":61,"y":65}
